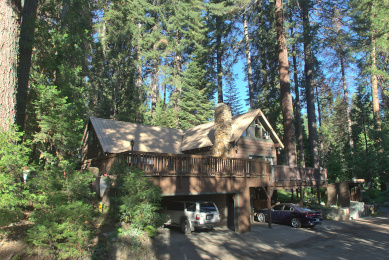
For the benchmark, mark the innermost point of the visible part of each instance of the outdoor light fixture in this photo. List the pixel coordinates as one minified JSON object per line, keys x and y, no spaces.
{"x":132,"y":142}
{"x":266,"y":135}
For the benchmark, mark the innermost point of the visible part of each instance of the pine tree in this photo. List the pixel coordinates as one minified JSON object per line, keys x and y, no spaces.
{"x":9,"y":40}
{"x":308,"y":69}
{"x":186,"y":30}
{"x":370,"y":22}
{"x":195,"y":106}
{"x":366,"y":164}
{"x":60,"y":61}
{"x":221,"y":24}
{"x":112,"y":85}
{"x":231,"y":97}
{"x":286,"y":98}
{"x":26,"y":42}
{"x":265,"y":63}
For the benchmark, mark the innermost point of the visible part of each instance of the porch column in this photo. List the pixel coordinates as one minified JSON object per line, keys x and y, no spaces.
{"x":242,"y":211}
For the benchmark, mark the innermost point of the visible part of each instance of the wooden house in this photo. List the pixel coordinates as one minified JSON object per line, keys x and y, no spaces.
{"x":226,"y":161}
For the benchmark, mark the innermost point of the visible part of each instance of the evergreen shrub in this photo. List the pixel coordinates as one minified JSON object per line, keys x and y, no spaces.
{"x":136,"y":199}
{"x":63,"y":213}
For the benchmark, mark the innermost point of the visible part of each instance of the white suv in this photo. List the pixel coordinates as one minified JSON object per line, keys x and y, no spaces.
{"x":189,"y":215}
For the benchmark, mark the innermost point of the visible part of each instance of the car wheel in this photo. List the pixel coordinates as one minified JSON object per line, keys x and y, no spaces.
{"x":295,"y":222}
{"x":185,"y":227}
{"x":261,"y":217}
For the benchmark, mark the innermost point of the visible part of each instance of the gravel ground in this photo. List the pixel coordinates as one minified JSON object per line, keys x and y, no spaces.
{"x":355,"y":239}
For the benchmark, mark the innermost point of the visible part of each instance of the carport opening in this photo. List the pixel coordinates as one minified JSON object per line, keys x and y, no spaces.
{"x":224,"y":202}
{"x":258,"y":200}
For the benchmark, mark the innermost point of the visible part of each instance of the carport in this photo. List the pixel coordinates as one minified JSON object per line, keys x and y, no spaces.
{"x":225,"y":202}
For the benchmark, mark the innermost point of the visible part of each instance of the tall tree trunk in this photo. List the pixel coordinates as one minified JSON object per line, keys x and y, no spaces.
{"x":300,"y":138}
{"x":177,"y":76}
{"x":318,"y":105}
{"x":9,"y":45}
{"x":308,"y":70}
{"x":374,"y":85}
{"x":138,"y":80}
{"x":154,"y":87}
{"x":286,"y":98}
{"x":26,"y":39}
{"x":345,"y":99}
{"x":219,"y":55}
{"x":248,"y":61}
{"x":374,"y":93}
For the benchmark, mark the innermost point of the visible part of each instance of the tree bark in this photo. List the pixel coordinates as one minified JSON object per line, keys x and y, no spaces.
{"x":177,"y":76}
{"x":219,"y":60}
{"x":286,"y":98}
{"x":308,"y":70}
{"x":374,"y":85}
{"x":248,"y":61}
{"x":138,"y":81}
{"x":154,"y":86}
{"x":345,"y":98}
{"x":9,"y":45}
{"x":300,"y":139}
{"x":26,"y":39}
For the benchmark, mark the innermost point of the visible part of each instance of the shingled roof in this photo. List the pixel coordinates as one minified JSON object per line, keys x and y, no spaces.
{"x":115,"y":136}
{"x":204,"y":135}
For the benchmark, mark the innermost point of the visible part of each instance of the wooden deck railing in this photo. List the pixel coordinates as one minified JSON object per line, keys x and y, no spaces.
{"x":282,"y":173}
{"x":163,"y":164}
{"x":181,"y":164}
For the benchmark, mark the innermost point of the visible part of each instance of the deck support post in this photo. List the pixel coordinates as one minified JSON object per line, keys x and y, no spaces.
{"x":318,"y":185}
{"x":301,"y":192}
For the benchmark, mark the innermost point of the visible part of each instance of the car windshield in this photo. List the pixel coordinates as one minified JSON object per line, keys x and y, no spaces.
{"x":207,"y":207}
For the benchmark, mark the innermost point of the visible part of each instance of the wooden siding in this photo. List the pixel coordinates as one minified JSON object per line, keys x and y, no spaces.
{"x":250,"y":146}
{"x":91,"y":147}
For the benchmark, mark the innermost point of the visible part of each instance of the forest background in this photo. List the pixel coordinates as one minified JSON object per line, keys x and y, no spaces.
{"x":169,"y":62}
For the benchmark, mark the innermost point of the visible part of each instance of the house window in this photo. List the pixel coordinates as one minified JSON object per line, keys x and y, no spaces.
{"x":256,"y":157}
{"x":262,"y":158}
{"x":256,"y":130}
{"x":91,"y":137}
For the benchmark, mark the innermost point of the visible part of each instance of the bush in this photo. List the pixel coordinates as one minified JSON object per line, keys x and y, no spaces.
{"x":376,"y":197}
{"x":13,"y":194}
{"x":63,"y":214}
{"x":136,"y":199}
{"x":62,"y":231}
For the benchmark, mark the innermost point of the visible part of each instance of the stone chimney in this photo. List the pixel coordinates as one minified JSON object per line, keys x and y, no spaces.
{"x":223,"y":130}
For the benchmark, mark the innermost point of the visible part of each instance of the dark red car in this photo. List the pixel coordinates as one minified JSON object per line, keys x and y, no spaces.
{"x":291,"y":214}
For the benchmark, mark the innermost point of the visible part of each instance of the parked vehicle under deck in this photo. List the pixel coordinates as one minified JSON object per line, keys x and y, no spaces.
{"x":291,"y":214}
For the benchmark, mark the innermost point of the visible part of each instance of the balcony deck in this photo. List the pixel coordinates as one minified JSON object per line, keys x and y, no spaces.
{"x":165,"y":165}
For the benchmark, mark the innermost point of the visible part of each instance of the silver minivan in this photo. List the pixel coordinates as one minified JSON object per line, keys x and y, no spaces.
{"x":191,"y":215}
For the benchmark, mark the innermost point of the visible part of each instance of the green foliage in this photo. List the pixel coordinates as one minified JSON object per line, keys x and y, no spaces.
{"x":165,"y":115}
{"x":136,"y":198}
{"x":63,"y":213}
{"x":62,"y":230}
{"x":59,"y":125}
{"x":231,"y":97}
{"x":151,"y":231}
{"x":375,"y":196}
{"x":13,"y":193}
{"x":195,"y":106}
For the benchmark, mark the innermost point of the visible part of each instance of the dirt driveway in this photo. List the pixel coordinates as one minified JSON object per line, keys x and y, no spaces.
{"x":366,"y":238}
